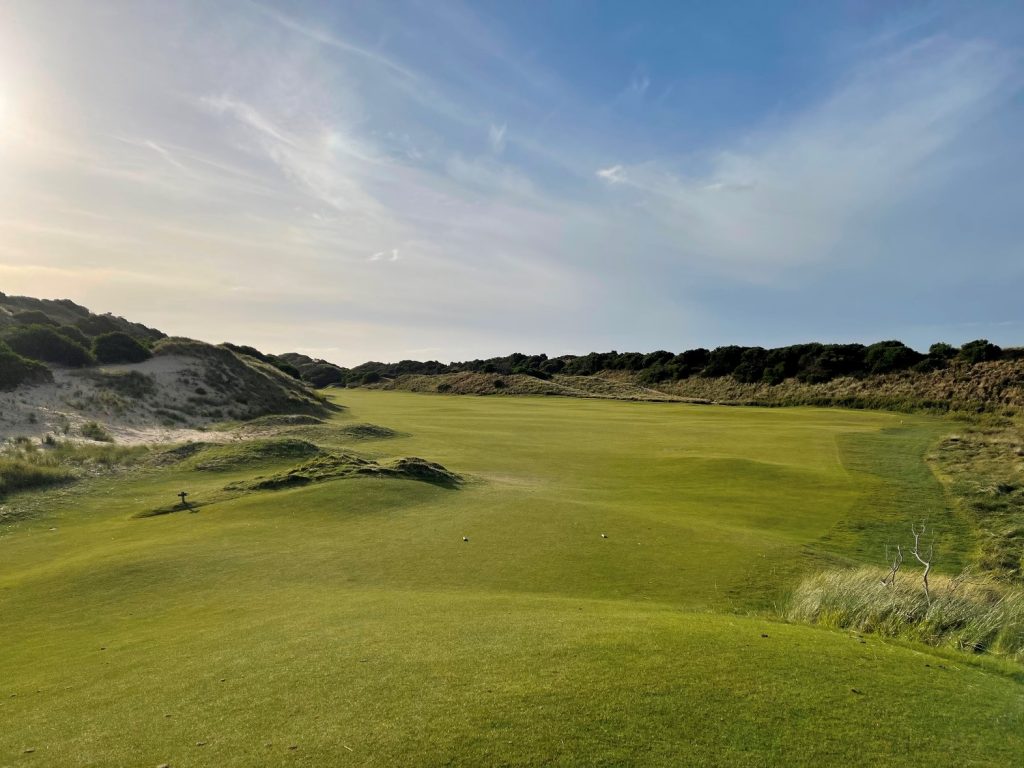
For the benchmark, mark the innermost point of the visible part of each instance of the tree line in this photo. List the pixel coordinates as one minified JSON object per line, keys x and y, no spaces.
{"x":811,"y":363}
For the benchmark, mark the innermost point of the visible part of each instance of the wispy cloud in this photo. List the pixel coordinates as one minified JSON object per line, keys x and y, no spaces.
{"x":391,"y":255}
{"x":614,"y":174}
{"x":792,"y":192}
{"x":639,"y":84}
{"x":496,"y":138}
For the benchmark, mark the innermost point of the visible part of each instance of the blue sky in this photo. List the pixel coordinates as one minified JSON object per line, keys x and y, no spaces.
{"x":451,"y":180}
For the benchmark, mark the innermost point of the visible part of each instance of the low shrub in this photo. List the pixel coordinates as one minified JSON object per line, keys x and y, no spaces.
{"x":979,"y":351}
{"x":15,"y":370}
{"x":33,"y":317}
{"x":74,"y":334}
{"x":324,"y":375}
{"x":286,"y":367}
{"x":118,"y":347}
{"x":40,"y":342}
{"x":93,"y":430}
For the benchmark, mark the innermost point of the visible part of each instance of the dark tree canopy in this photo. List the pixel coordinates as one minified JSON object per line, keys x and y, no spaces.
{"x":118,"y":347}
{"x":41,"y":342}
{"x":979,"y":351}
{"x":810,"y":363}
{"x":15,"y":370}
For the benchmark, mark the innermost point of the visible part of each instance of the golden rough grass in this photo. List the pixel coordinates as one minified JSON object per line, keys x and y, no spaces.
{"x":994,"y":386}
{"x":469,"y":383}
{"x":977,"y":614}
{"x":986,"y":387}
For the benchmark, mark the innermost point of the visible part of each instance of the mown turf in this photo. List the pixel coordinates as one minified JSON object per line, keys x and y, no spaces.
{"x":350,"y":620}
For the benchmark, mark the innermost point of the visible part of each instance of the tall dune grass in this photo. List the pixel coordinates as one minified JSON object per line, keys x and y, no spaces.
{"x":972,"y":613}
{"x":21,"y":475}
{"x":25,"y":466}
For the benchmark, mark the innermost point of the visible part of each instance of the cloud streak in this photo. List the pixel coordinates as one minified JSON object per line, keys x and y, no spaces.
{"x":793,"y":193}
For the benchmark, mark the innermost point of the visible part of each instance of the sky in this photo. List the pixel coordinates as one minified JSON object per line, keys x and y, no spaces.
{"x":445,"y":180}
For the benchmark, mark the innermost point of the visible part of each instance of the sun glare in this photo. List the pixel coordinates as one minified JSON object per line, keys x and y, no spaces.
{"x":6,"y":111}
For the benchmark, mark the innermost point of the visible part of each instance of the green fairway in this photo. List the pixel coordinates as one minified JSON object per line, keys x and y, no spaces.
{"x":349,"y":620}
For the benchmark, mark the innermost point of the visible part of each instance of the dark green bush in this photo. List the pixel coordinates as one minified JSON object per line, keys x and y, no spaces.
{"x":655,"y":374}
{"x":118,"y":347}
{"x":695,"y":359}
{"x":824,"y":362}
{"x":929,"y":364}
{"x":656,"y":358}
{"x":536,"y":373}
{"x":723,"y":360}
{"x":15,"y":370}
{"x":40,"y":342}
{"x":324,"y":375}
{"x":242,"y":349}
{"x":940,"y":350}
{"x":74,"y":334}
{"x":888,"y":356}
{"x":286,"y":367}
{"x":33,"y":317}
{"x":752,"y":365}
{"x":97,"y":325}
{"x":979,"y":351}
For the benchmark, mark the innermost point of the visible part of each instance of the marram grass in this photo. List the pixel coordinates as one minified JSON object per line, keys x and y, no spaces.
{"x":971,"y":613}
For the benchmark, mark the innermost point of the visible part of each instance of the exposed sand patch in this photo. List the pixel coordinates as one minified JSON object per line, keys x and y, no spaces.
{"x":161,"y":400}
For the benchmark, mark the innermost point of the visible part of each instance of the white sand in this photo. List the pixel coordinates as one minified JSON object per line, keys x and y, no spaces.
{"x":73,"y":399}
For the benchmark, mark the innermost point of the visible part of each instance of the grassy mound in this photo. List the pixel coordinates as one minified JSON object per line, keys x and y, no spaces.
{"x":416,"y":468}
{"x":225,"y":457}
{"x":284,"y":420}
{"x":176,"y":453}
{"x":338,"y":465}
{"x":326,"y":467}
{"x":253,"y":388}
{"x":366,"y":432}
{"x":977,"y":615}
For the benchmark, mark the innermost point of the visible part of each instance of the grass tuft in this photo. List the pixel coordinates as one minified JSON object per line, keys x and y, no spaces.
{"x":975,"y":614}
{"x":21,"y":475}
{"x":93,"y":430}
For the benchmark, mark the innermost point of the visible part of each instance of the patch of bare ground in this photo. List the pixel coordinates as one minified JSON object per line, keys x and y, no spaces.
{"x":172,"y":397}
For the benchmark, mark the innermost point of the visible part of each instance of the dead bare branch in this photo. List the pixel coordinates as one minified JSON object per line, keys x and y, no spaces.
{"x":897,"y":561}
{"x":916,"y":552}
